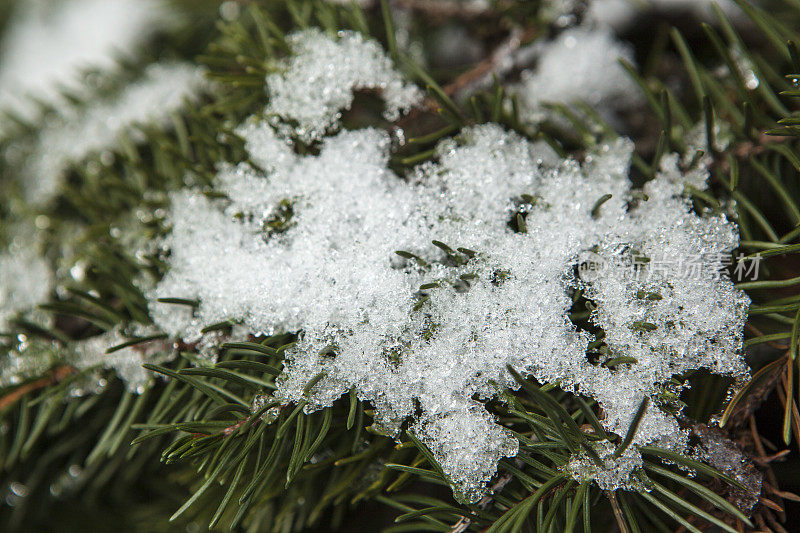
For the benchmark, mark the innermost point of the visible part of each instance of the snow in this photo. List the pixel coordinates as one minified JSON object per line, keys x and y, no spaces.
{"x":318,"y":80}
{"x":25,"y":281}
{"x":308,"y":244}
{"x":48,"y":45}
{"x":26,"y":360}
{"x":414,"y":290}
{"x":620,"y":14}
{"x":579,"y":64}
{"x":613,"y":473}
{"x":79,"y":131}
{"x":452,"y":434}
{"x":91,"y":354}
{"x":716,"y":449}
{"x":32,"y":358}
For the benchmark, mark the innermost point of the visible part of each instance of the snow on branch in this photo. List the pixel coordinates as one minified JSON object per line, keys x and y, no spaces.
{"x":25,"y":281}
{"x":580,"y":64}
{"x":317,"y":81}
{"x":77,"y":132}
{"x":49,"y":44}
{"x":311,"y":244}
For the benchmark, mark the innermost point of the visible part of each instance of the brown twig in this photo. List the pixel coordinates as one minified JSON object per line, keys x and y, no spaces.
{"x":618,"y":516}
{"x":492,"y":64}
{"x":761,"y":458}
{"x":230,"y":429}
{"x":747,"y":149}
{"x":467,"y":82}
{"x":56,"y":375}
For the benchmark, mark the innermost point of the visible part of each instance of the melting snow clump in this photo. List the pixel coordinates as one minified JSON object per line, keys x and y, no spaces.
{"x":721,"y":453}
{"x":31,"y":358}
{"x":613,"y":472}
{"x":317,"y":81}
{"x":26,"y":280}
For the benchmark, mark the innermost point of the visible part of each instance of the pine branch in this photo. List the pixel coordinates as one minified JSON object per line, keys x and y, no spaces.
{"x":252,"y":463}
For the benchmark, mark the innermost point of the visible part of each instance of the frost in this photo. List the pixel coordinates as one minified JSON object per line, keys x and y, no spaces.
{"x":25,"y":281}
{"x":308,"y":244}
{"x":79,"y":131}
{"x":580,"y":64}
{"x":319,"y":79}
{"x":48,"y":44}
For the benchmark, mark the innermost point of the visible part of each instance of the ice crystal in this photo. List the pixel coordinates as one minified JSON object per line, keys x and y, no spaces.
{"x":318,"y":80}
{"x":48,"y":44}
{"x":580,"y":64}
{"x":79,"y":131}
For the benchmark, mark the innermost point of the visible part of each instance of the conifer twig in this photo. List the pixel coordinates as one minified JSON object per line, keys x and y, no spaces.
{"x":56,"y":375}
{"x":470,"y":80}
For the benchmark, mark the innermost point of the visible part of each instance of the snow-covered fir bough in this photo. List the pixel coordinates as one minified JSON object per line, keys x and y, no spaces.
{"x":331,"y":261}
